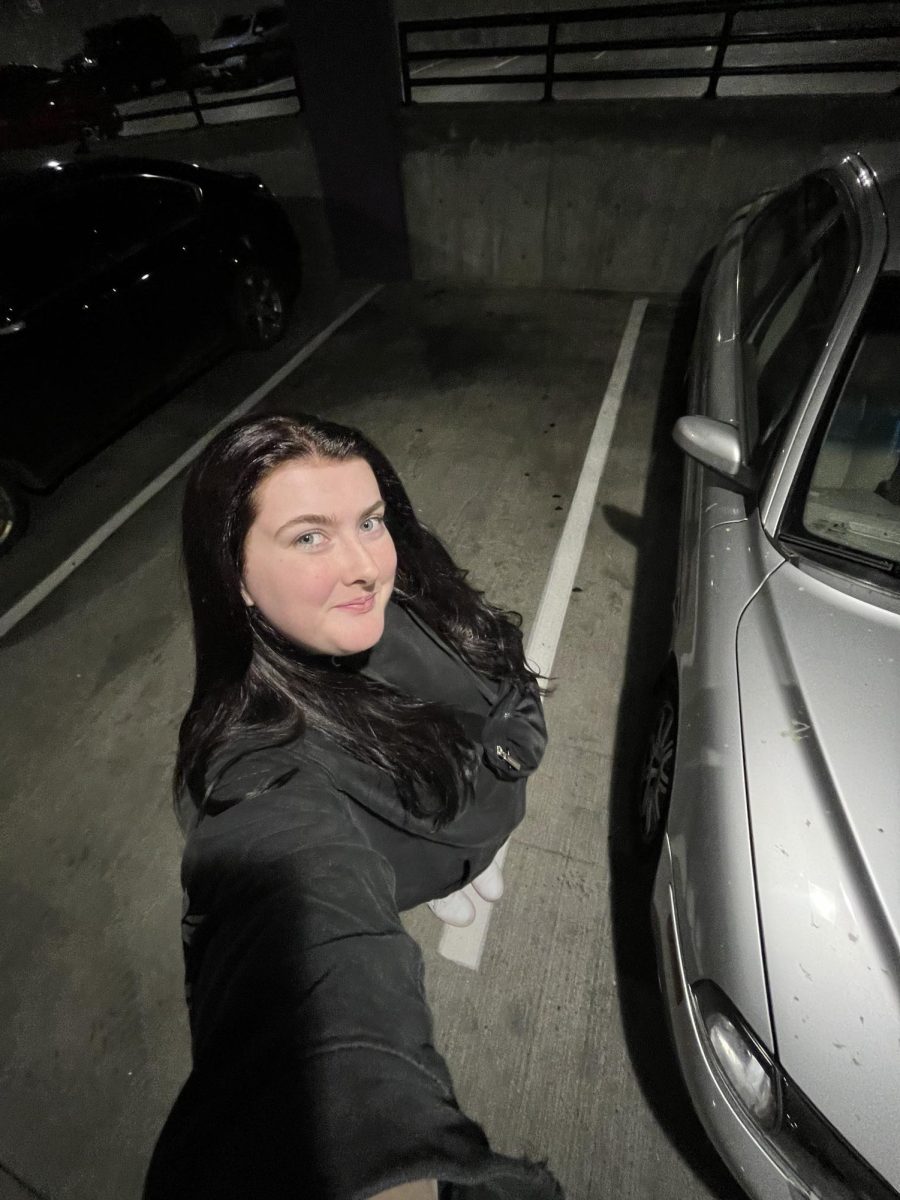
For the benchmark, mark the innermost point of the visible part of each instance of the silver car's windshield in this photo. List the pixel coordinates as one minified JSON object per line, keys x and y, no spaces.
{"x":852,"y":498}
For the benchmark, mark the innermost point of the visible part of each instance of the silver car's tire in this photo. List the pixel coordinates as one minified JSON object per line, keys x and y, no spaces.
{"x":654,"y":787}
{"x":258,"y":307}
{"x":13,"y":513}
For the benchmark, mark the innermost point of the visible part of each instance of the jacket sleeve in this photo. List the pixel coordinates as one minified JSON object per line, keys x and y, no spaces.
{"x":314,"y":1073}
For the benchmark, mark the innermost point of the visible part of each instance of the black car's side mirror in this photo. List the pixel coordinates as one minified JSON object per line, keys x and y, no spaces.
{"x":716,"y":445}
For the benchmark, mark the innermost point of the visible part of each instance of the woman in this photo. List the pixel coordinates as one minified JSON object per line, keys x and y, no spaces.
{"x":357,"y":743}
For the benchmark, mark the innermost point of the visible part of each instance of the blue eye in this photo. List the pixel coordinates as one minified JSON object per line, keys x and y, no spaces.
{"x":378,"y":520}
{"x":302,"y":539}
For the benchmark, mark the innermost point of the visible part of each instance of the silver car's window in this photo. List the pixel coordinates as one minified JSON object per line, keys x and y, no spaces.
{"x":773,"y":236}
{"x":852,"y":499}
{"x":796,"y":268}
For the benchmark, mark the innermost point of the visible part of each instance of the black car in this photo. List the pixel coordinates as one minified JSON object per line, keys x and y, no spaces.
{"x":39,"y":107}
{"x":128,"y":57}
{"x":119,"y":278}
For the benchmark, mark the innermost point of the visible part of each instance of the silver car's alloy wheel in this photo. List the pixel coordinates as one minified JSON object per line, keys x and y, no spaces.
{"x":656,"y":776}
{"x":260,"y":307}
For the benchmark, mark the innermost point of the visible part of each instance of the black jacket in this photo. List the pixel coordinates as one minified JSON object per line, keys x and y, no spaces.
{"x":314,"y":1070}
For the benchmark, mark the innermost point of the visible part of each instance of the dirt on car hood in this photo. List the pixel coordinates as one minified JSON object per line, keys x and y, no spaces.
{"x":819,"y":670}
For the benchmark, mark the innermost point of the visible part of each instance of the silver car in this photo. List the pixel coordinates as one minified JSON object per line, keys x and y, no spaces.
{"x":771,"y":786}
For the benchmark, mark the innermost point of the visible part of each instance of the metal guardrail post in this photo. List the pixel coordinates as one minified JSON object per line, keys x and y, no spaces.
{"x":195,"y":106}
{"x":721,"y":50}
{"x":406,"y":84}
{"x":550,"y":66}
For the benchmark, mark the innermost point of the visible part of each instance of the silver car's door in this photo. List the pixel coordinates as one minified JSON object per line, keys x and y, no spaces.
{"x":790,"y":266}
{"x":714,"y":390}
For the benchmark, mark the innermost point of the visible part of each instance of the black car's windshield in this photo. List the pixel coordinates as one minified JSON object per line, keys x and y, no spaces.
{"x":232,"y":27}
{"x":852,"y":498}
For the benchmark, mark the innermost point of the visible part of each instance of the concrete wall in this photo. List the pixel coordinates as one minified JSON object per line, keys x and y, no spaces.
{"x":621,"y":195}
{"x":618,"y":195}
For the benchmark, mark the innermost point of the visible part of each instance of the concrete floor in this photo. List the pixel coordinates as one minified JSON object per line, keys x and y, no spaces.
{"x":485,"y":402}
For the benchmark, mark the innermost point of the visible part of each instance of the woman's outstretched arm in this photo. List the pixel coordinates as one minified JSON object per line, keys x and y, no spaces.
{"x":315,"y":1072}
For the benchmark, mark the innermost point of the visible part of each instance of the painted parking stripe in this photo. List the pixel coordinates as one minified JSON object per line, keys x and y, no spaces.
{"x":465,"y":946}
{"x":39,"y":593}
{"x":428,"y":66}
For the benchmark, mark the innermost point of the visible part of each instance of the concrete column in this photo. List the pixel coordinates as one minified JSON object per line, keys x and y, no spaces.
{"x":349,"y":74}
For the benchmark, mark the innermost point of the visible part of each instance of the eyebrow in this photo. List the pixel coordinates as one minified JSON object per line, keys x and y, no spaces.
{"x":319,"y":519}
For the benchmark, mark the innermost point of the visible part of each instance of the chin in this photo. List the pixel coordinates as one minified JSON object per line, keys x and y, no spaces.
{"x":365,"y":637}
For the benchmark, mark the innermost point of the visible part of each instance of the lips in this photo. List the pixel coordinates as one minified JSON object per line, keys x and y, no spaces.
{"x":359,"y":606}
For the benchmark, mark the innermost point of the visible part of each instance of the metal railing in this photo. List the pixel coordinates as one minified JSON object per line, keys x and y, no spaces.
{"x":662,"y":14}
{"x":192,"y":82}
{"x":198,"y":107}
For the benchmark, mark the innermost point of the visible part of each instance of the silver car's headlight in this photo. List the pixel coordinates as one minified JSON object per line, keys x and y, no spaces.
{"x":750,"y":1076}
{"x":825,"y":1165}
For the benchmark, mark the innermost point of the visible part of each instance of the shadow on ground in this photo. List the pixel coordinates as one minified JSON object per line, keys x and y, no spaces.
{"x":655,"y":535}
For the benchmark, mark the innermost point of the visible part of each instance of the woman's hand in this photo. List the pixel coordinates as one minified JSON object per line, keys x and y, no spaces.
{"x":422,"y":1189}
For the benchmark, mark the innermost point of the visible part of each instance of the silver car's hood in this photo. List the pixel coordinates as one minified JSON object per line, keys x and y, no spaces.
{"x":819,"y":669}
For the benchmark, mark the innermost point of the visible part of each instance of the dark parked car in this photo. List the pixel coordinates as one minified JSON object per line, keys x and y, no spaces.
{"x":39,"y":107}
{"x":131,"y":56}
{"x":118,"y":280}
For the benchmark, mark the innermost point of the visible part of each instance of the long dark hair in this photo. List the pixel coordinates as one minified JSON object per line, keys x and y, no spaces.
{"x":250,"y":679}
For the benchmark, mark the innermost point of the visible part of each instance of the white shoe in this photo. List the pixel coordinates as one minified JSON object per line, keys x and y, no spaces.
{"x":489,"y":884}
{"x":455,"y":909}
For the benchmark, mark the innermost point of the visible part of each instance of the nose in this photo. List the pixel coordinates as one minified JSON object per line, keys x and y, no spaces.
{"x":358,"y":565}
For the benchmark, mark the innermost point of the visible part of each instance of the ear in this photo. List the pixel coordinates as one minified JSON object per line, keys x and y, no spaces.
{"x":246,"y":597}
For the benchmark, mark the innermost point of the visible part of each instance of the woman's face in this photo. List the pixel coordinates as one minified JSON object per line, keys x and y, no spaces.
{"x":317,"y":547}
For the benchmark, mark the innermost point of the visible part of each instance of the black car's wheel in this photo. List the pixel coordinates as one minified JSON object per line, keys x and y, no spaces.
{"x":13,"y":513}
{"x":654,"y":785}
{"x":258,"y":306}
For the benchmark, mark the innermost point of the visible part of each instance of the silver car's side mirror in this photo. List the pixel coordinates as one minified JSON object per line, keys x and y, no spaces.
{"x":716,"y":445}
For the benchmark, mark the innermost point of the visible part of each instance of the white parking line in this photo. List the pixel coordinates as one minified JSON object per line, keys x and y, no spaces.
{"x":31,"y":599}
{"x":465,"y":946}
{"x":428,"y":66}
{"x":505,"y":63}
